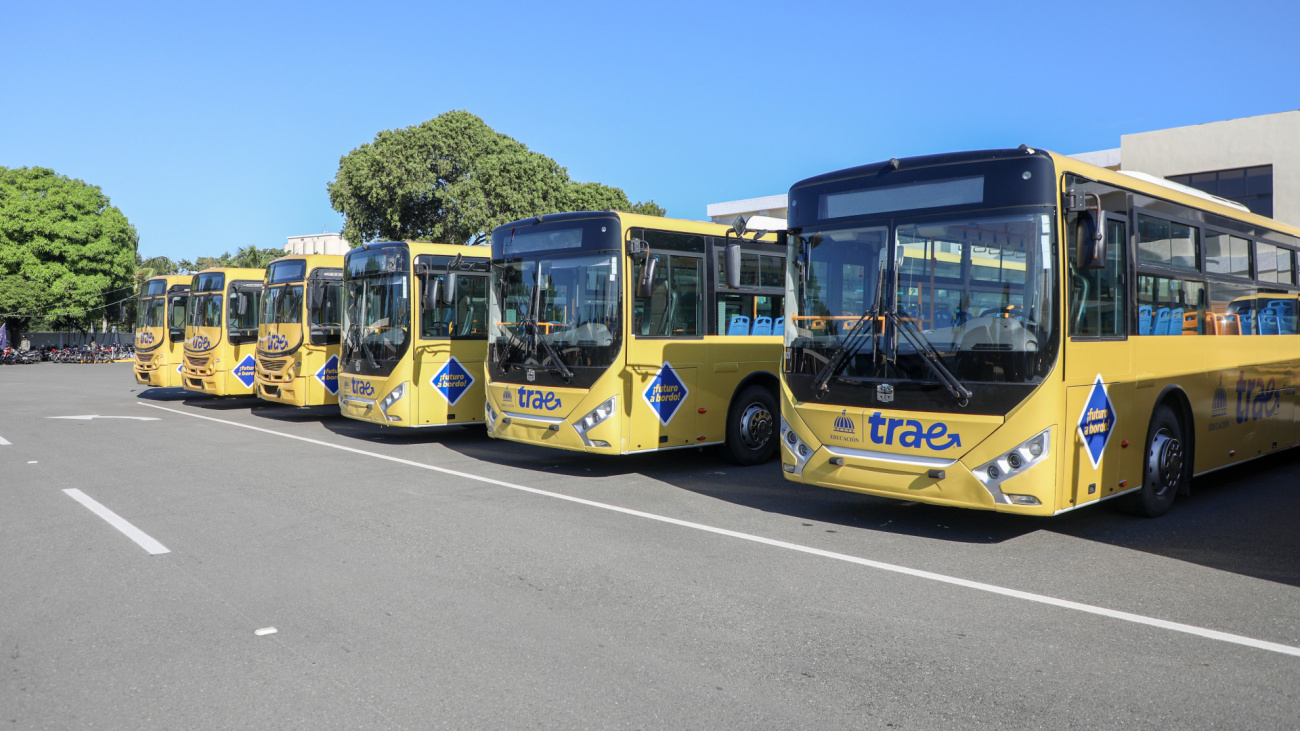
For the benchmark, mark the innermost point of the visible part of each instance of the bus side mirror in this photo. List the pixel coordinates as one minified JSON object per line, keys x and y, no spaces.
{"x":315,"y":297}
{"x":1090,"y":242}
{"x":646,"y":285}
{"x":731,"y":261}
{"x":243,"y":304}
{"x":449,"y":291}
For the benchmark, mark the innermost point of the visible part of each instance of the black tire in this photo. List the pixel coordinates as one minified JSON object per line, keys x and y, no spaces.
{"x":1167,"y":468}
{"x":752,"y":427}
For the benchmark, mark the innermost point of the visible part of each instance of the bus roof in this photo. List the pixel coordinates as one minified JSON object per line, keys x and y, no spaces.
{"x":171,"y":279}
{"x":313,"y":260}
{"x":233,"y":273}
{"x":706,"y":228}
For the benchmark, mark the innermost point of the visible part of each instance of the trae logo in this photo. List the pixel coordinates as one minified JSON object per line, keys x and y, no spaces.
{"x":1256,"y":399}
{"x":361,"y":388}
{"x":200,"y":342}
{"x":912,"y":435}
{"x":532,"y":398}
{"x":328,"y":375}
{"x":144,"y":338}
{"x":277,"y":342}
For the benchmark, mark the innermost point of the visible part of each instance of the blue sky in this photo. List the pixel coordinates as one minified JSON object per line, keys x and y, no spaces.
{"x":214,"y":126}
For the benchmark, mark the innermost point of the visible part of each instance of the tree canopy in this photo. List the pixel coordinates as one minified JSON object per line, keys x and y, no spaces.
{"x":64,"y":248}
{"x":250,"y":256}
{"x":454,"y":179}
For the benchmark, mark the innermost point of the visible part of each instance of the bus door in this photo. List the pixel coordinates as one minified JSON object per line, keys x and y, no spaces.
{"x":1100,"y":415}
{"x":451,"y":342}
{"x":666,"y":353}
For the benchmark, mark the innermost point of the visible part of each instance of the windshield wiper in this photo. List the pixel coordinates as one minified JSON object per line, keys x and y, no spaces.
{"x":849,"y":347}
{"x":535,"y":307}
{"x":554,"y":356}
{"x":354,"y":335}
{"x":922,"y":345}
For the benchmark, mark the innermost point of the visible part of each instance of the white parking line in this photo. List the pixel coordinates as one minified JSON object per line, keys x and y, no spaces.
{"x":5,"y":442}
{"x":894,"y":568}
{"x":115,"y":520}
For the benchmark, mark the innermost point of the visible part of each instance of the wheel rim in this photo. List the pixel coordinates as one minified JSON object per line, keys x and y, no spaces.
{"x":756,"y":425}
{"x":1165,"y":461}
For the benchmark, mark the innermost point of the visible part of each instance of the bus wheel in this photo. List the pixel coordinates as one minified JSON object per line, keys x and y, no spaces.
{"x":752,"y":427}
{"x":1167,"y":464}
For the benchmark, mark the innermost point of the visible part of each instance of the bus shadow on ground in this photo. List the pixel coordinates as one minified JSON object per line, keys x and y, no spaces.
{"x":163,"y":394}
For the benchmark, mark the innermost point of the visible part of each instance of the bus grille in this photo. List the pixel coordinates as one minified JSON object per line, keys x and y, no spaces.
{"x":143,"y":358}
{"x":272,"y":365}
{"x":197,"y":362}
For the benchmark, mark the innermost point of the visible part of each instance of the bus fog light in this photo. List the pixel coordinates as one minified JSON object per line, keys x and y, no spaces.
{"x":594,"y":417}
{"x":491,"y":413}
{"x":996,"y":471}
{"x":796,"y":447}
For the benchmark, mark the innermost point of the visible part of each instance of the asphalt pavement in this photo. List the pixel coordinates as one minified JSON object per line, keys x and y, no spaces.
{"x":440,"y":579}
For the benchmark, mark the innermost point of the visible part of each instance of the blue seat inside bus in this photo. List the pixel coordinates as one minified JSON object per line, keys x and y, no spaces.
{"x":1248,"y":322}
{"x":1144,"y":320}
{"x":1286,"y":315}
{"x":1176,"y":321}
{"x":1269,"y":322}
{"x":738,"y":325}
{"x":762,"y":326}
{"x":778,"y":328}
{"x":1162,"y":321}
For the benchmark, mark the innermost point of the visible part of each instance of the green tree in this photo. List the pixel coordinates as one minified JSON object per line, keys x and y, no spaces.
{"x":454,"y":179}
{"x":64,"y":249}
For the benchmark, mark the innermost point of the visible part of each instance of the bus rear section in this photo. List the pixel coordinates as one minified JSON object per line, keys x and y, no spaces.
{"x":221,"y":334}
{"x":160,"y":331}
{"x":414,"y":334}
{"x":617,"y":334}
{"x":299,"y":331}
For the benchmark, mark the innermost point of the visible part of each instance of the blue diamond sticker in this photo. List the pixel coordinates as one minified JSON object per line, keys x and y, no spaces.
{"x":452,"y":380}
{"x":328,"y":375}
{"x":1097,"y":422}
{"x":665,"y":394}
{"x":245,"y":371}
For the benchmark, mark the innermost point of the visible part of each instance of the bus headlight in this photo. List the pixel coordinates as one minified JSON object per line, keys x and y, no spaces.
{"x":791,"y":443}
{"x":993,"y":473}
{"x":596,"y":416}
{"x":490,"y":413}
{"x":393,"y":397}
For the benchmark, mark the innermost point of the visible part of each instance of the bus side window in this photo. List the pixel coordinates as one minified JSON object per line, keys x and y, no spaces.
{"x":325,"y":321}
{"x":673,"y":307}
{"x":1099,"y":297}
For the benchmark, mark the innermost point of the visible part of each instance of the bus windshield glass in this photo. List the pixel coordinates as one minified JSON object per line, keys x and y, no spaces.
{"x":557,"y":309}
{"x":151,"y":312}
{"x":974,"y":290}
{"x":376,"y":315}
{"x":282,"y":304}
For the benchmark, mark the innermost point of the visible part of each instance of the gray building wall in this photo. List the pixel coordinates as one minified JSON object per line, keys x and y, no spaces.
{"x":1270,"y":139}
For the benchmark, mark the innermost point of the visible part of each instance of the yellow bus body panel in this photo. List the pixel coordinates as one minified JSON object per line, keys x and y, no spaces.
{"x":1240,"y":390}
{"x":212,"y":370}
{"x":712,"y":367}
{"x":360,"y":397}
{"x":295,"y":371}
{"x":157,"y":358}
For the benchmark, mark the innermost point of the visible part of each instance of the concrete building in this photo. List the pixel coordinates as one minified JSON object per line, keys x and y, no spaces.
{"x":1254,"y":161}
{"x":768,"y":212}
{"x":317,"y":244}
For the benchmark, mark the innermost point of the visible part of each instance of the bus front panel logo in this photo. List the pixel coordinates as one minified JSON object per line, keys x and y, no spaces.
{"x":328,"y":375}
{"x":201,"y":342}
{"x":245,"y":371}
{"x":531,"y":398}
{"x":665,"y":394}
{"x":277,"y":342}
{"x":144,"y":338}
{"x":452,"y":381}
{"x":1097,"y":422}
{"x":361,"y":388}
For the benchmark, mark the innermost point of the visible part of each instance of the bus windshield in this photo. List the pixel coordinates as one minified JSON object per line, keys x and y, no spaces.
{"x":282,"y":305}
{"x":376,"y":321}
{"x":151,"y":312}
{"x":977,"y":290}
{"x":557,"y":311}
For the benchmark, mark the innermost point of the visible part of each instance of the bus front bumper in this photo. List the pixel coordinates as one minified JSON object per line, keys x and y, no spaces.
{"x":602,"y":438}
{"x":934,"y":481}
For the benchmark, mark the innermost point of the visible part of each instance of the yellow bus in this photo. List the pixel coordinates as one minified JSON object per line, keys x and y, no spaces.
{"x":298,"y":330}
{"x":160,"y":330}
{"x":1015,"y":330}
{"x":414,"y":334}
{"x":616,"y":333}
{"x":221,"y":334}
